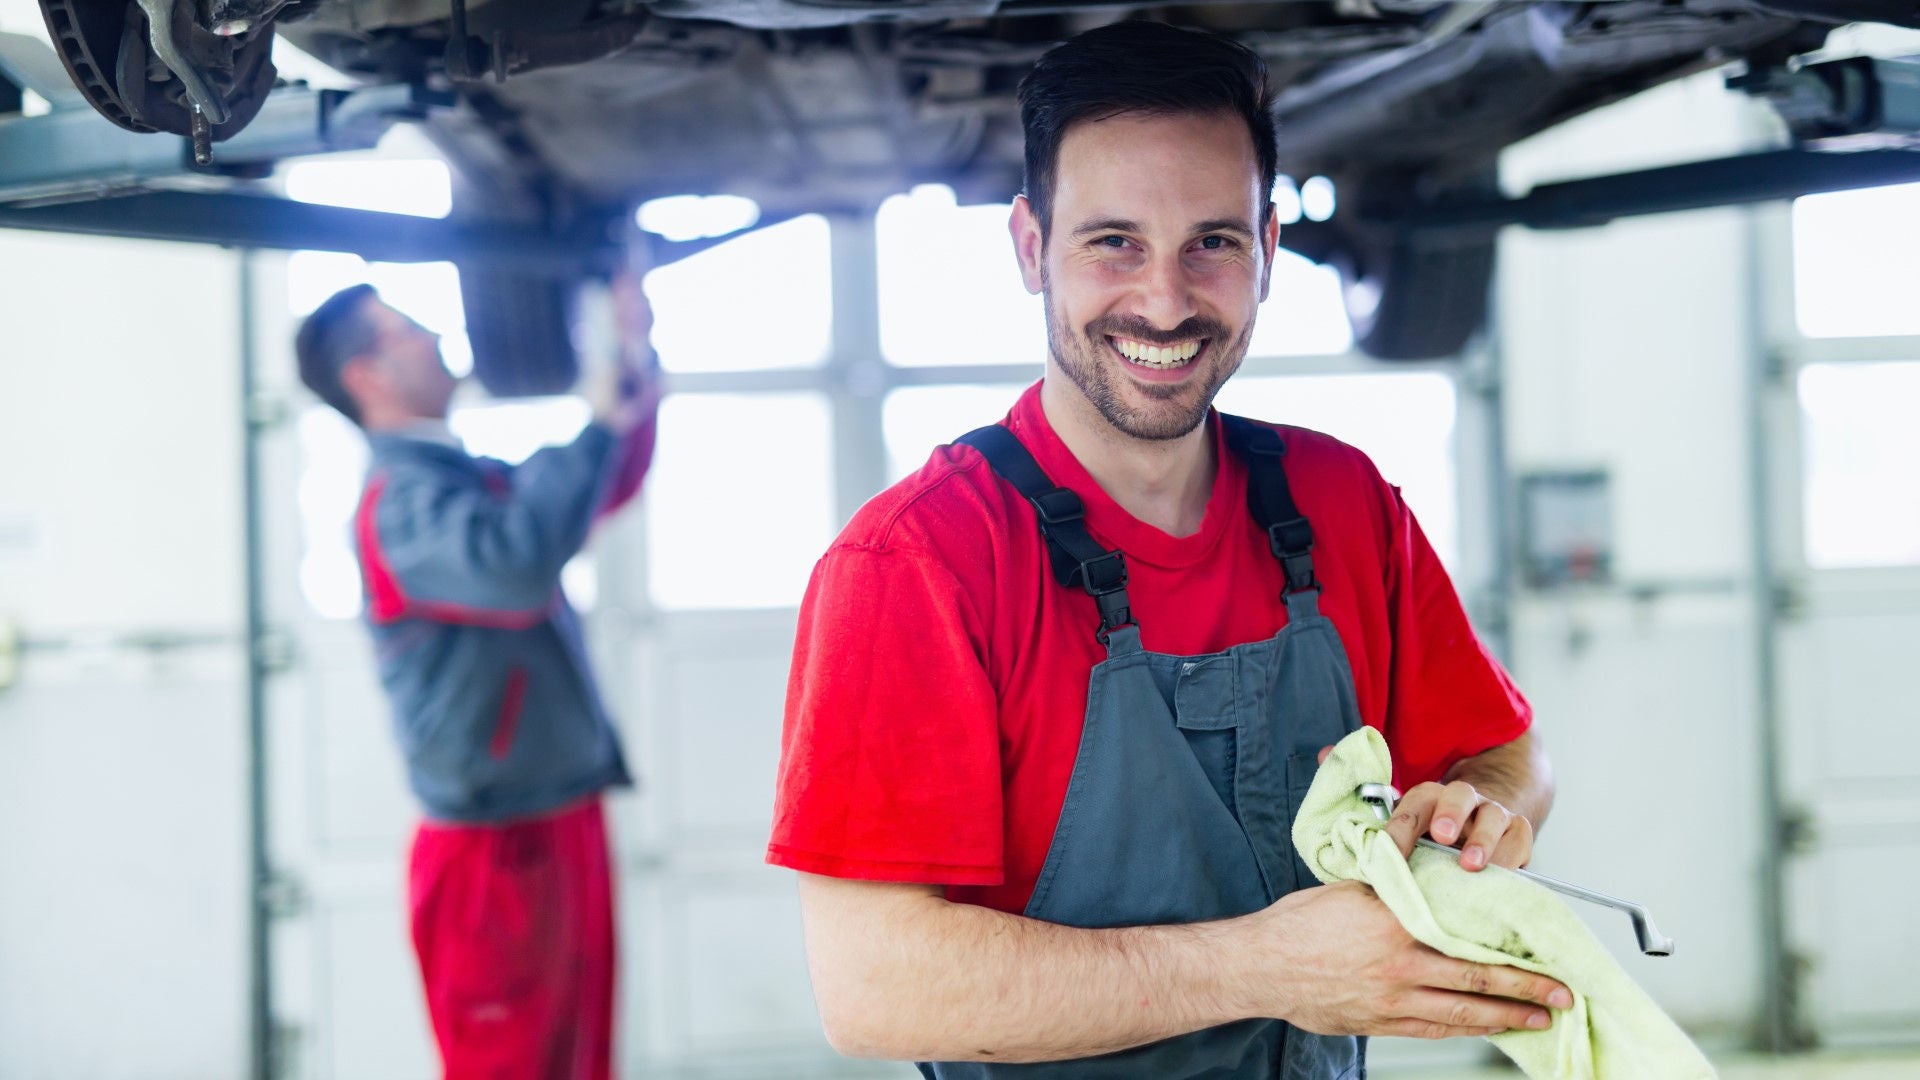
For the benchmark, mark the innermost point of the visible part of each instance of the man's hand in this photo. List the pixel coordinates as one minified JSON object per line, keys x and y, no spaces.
{"x":1343,"y":965}
{"x":623,"y":398}
{"x":627,"y":394}
{"x":1466,"y":812}
{"x":632,"y":317}
{"x":1459,"y":815}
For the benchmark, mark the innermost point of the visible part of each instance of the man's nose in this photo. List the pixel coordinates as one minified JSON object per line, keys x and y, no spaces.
{"x":1165,"y":292}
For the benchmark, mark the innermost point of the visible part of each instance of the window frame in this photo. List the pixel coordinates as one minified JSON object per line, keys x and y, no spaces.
{"x":1787,"y":353}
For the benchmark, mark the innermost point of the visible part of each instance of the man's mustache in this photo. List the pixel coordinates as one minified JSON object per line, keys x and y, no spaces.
{"x":1138,"y":329}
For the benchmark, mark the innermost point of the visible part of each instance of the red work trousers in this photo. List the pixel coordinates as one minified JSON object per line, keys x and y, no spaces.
{"x":513,"y":924}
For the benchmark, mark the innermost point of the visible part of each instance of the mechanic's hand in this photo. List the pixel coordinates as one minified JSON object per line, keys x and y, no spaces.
{"x":622,"y":397}
{"x":632,"y":317}
{"x":627,"y":394}
{"x":1352,"y":969}
{"x":1458,"y":815}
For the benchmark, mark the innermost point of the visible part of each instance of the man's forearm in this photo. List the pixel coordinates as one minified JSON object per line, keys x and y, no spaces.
{"x":1517,"y":775}
{"x":922,"y":978}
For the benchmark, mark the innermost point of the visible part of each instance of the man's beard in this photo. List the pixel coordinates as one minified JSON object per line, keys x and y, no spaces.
{"x":1173,"y":411}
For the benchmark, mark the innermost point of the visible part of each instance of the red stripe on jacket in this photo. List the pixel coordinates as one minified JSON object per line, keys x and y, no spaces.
{"x":509,"y":722}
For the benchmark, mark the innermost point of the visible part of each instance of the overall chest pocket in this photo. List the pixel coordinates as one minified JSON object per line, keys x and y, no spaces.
{"x":1205,"y":700}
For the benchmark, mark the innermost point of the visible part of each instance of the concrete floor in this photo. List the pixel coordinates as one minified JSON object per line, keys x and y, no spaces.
{"x":1831,"y":1065}
{"x":1850,"y":1067}
{"x":1862,"y":1065}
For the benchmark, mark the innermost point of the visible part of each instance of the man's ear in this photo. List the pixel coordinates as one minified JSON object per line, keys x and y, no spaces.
{"x":361,"y":378}
{"x":1269,"y":241}
{"x":1029,"y":243}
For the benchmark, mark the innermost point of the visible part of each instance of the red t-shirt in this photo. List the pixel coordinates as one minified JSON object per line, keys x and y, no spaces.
{"x":939,"y":680}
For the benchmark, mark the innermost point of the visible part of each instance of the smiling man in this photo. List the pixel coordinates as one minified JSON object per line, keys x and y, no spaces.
{"x":1057,"y":696}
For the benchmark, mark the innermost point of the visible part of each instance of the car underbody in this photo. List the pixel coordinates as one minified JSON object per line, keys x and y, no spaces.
{"x":561,"y":116}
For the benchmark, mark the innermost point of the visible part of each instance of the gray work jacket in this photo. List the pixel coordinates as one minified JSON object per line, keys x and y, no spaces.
{"x":494,"y":701}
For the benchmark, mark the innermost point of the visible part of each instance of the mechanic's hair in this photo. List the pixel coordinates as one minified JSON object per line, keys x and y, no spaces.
{"x":1145,"y":67}
{"x":336,"y":332}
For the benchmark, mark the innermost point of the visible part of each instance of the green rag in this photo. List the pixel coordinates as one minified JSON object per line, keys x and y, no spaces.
{"x":1613,"y":1031}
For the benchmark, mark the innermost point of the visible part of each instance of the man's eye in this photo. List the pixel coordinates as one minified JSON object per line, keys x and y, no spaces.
{"x":1214,"y":243}
{"x":1112,"y":241}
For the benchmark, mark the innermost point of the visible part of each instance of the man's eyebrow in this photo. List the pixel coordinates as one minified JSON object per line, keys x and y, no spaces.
{"x":1125,"y":225}
{"x":1104,"y":225}
{"x":1229,"y":225}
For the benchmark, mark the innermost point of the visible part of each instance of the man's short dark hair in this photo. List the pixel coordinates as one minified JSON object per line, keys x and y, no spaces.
{"x":1144,"y":67}
{"x":336,"y":332}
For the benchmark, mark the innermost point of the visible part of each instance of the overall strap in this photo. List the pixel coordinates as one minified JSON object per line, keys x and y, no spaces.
{"x":1270,"y":500}
{"x":1078,"y":560}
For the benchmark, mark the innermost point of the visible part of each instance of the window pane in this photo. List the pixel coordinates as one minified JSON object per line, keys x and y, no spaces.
{"x":1858,"y":448}
{"x":754,"y":303}
{"x":512,"y":430}
{"x":1303,"y":315}
{"x":1854,"y":271}
{"x":333,"y":463}
{"x":944,"y":266}
{"x":1404,"y":422}
{"x":919,"y":418}
{"x":740,"y":500}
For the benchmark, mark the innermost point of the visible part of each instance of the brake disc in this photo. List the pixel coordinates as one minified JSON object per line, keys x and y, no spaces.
{"x":107,"y":48}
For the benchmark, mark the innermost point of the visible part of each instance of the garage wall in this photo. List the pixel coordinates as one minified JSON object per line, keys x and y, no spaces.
{"x":122,"y":747}
{"x":1625,"y":348}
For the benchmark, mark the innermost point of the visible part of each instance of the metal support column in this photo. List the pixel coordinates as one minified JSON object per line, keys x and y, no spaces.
{"x":1484,"y":378}
{"x":858,"y":371}
{"x":259,"y":870}
{"x":1782,"y":1027}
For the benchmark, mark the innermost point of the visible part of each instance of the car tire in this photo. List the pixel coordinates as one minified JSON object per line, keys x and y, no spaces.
{"x":1413,"y":298}
{"x":521,"y":328}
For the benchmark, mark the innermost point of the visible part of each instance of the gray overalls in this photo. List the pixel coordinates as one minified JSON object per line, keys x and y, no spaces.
{"x":1189,"y":773}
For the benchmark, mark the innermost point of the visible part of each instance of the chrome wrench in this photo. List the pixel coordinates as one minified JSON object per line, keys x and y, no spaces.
{"x":1382,"y":798}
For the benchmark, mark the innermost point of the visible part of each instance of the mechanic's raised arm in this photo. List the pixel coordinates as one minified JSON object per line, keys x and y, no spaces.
{"x":901,"y":973}
{"x":487,"y":552}
{"x":628,"y":396}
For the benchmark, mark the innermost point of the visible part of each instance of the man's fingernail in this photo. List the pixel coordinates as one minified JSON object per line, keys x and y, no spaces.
{"x":1560,"y":999}
{"x":1444,"y":830}
{"x":1539,"y":1020}
{"x":1473,"y":857}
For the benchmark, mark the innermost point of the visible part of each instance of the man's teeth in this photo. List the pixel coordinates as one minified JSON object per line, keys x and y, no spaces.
{"x":1156,"y":355}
